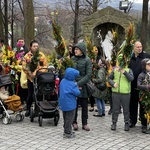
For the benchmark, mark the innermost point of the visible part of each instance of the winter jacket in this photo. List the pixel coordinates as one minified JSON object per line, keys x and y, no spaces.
{"x":84,"y":66}
{"x":142,"y":83}
{"x":123,"y":80}
{"x":68,"y":90}
{"x":135,"y":65}
{"x":100,"y":78}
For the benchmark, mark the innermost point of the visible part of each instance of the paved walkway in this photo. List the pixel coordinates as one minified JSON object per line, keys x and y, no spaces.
{"x":29,"y":136}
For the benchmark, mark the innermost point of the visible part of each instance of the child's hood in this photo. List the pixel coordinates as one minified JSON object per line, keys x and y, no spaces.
{"x":71,"y":74}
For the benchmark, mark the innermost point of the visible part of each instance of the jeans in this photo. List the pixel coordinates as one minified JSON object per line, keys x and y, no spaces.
{"x":100,"y":105}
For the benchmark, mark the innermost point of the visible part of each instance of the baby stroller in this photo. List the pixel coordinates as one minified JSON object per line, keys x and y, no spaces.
{"x":12,"y":103}
{"x":45,"y":97}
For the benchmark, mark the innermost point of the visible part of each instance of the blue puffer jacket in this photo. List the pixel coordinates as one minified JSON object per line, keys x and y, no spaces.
{"x":68,"y":90}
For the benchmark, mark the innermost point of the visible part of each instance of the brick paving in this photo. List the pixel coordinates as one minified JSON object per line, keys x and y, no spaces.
{"x":26,"y":135}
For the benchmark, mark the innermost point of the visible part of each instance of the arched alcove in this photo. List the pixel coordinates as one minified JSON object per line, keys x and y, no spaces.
{"x":104,"y":28}
{"x":104,"y":20}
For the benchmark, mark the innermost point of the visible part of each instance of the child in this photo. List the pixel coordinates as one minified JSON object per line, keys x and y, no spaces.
{"x":143,"y":83}
{"x":120,"y":80}
{"x":67,"y":100}
{"x":101,"y":93}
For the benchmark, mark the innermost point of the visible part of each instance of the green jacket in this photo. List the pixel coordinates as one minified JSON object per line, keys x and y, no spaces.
{"x":100,"y":78}
{"x":84,"y":66}
{"x":123,"y":80}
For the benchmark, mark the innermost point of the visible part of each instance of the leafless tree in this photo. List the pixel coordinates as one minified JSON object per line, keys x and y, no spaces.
{"x":144,"y":23}
{"x":28,"y":20}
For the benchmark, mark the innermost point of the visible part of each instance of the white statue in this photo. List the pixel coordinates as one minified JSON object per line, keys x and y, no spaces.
{"x":107,"y":45}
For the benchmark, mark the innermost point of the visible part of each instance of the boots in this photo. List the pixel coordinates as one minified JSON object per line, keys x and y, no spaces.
{"x":126,"y":127}
{"x":113,"y":126}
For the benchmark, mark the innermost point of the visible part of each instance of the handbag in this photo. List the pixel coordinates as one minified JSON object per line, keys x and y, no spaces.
{"x":90,"y":88}
{"x":23,"y":80}
{"x":5,"y":80}
{"x":101,"y":86}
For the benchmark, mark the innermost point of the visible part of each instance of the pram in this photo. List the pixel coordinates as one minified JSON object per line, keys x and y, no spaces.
{"x":45,"y":97}
{"x":12,"y":103}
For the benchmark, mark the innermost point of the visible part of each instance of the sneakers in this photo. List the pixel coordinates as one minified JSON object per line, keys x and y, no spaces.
{"x":27,"y":114}
{"x":91,"y":109}
{"x":75,"y":126}
{"x":113,"y":126}
{"x":86,"y":128}
{"x":71,"y":135}
{"x":126,"y":127}
{"x":97,"y":115}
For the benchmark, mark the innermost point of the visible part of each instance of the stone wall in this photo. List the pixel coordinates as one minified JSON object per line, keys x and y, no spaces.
{"x":106,"y":17}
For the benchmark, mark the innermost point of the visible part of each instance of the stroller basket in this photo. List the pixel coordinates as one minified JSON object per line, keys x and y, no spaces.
{"x":47,"y":105}
{"x":13,"y":103}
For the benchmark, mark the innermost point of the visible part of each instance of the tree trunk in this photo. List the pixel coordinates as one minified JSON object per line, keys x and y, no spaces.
{"x":6,"y":21}
{"x":28,"y":21}
{"x":95,"y":5}
{"x":12,"y":24}
{"x":76,"y":21}
{"x":144,"y":23}
{"x":2,"y":22}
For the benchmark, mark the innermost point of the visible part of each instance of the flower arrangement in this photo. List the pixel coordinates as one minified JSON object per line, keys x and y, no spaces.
{"x":90,"y":48}
{"x":145,"y":98}
{"x":60,"y":49}
{"x":8,"y":54}
{"x":125,"y":51}
{"x":19,"y":51}
{"x":33,"y":60}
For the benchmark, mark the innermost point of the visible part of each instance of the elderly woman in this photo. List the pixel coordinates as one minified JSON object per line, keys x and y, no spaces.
{"x":84,"y":66}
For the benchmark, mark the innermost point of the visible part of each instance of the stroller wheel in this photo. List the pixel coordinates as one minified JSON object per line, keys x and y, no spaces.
{"x":18,"y":117}
{"x":31,"y":114}
{"x":7,"y":120}
{"x":56,"y":119}
{"x":22,"y":116}
{"x":40,"y":119}
{"x":1,"y":116}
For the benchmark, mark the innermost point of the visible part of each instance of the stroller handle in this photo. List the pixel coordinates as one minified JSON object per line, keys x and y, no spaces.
{"x":49,"y":70}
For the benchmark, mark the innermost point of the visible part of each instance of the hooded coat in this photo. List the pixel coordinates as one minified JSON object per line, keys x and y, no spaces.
{"x":68,"y":90}
{"x":100,"y":78}
{"x":84,"y":66}
{"x":143,"y":81}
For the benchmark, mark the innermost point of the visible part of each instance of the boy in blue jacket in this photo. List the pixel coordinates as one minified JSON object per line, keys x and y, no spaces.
{"x":67,"y":100}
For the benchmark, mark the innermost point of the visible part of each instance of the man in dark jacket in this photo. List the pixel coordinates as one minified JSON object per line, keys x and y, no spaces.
{"x":135,"y":65}
{"x":84,"y":66}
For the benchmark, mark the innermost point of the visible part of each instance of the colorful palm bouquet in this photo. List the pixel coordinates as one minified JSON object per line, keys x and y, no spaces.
{"x":145,"y":98}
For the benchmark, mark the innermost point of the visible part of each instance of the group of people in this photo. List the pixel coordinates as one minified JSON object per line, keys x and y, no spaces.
{"x":126,"y":83}
{"x":30,"y":61}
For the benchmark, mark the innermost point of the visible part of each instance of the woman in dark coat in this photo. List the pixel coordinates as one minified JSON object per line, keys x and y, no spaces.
{"x":84,"y":66}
